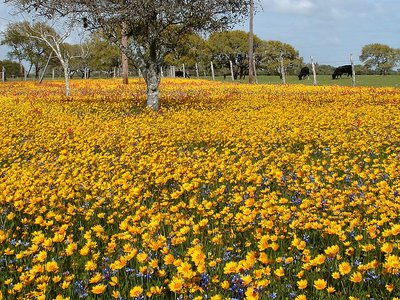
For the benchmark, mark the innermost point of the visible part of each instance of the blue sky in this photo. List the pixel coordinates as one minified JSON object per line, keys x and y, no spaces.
{"x":328,"y":30}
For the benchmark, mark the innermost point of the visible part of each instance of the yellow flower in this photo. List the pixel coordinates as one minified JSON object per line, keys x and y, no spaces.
{"x":335,"y":275}
{"x":389,"y":287}
{"x":90,"y":265}
{"x":279,"y":272}
{"x":302,"y":284}
{"x":65,"y":284}
{"x":185,"y":269}
{"x":42,"y":255}
{"x":251,"y":294}
{"x":52,"y":266}
{"x":71,"y":248}
{"x":387,"y":248}
{"x":113,"y":281}
{"x":141,"y":257}
{"x":225,"y":285}
{"x":176,"y":284}
{"x":115,"y":294}
{"x":301,"y":297}
{"x":98,"y":289}
{"x":169,"y":259}
{"x":320,"y":284}
{"x":344,"y":268}
{"x":118,"y":264}
{"x":356,"y":277}
{"x":230,"y":267}
{"x":136,"y":291}
{"x":96,"y":278}
{"x":331,"y":251}
{"x":331,"y":289}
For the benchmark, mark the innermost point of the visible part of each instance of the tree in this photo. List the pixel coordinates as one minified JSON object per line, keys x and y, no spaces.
{"x":56,"y":42}
{"x":12,"y":68}
{"x":23,"y":48}
{"x":102,"y":55}
{"x":231,"y":46}
{"x":153,"y":27}
{"x":188,"y":51}
{"x":379,"y":57}
{"x":269,"y":53}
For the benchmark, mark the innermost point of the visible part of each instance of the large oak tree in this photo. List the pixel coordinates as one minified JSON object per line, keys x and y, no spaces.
{"x":153,"y":27}
{"x":379,"y":57}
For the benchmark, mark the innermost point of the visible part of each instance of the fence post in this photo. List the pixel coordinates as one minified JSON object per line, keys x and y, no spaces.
{"x":254,"y":71}
{"x":197,"y":71}
{"x":231,"y":66}
{"x":313,"y":70}
{"x":282,"y":70}
{"x":162,"y":73}
{"x":25,"y":75}
{"x":353,"y":71}
{"x":212,"y":71}
{"x":3,"y":74}
{"x":183,"y":70}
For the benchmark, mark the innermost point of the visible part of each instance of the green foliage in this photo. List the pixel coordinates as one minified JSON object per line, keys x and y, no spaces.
{"x":102,"y":54}
{"x":12,"y":68}
{"x":35,"y":52}
{"x":379,"y":57}
{"x":269,"y":53}
{"x":188,"y":51}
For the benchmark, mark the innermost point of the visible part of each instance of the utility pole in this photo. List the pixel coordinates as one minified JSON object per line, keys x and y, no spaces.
{"x":251,"y":43}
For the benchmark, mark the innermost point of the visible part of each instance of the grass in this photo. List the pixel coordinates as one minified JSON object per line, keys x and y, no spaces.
{"x":361,"y":80}
{"x":322,"y":80}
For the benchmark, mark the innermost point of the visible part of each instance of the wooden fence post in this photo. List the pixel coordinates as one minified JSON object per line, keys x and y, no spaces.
{"x":212,"y":71}
{"x":254,"y":71}
{"x":183,"y":70}
{"x":313,"y":70}
{"x":197,"y":71}
{"x":231,"y":66}
{"x":3,"y":74}
{"x":282,"y":70}
{"x":353,"y":71}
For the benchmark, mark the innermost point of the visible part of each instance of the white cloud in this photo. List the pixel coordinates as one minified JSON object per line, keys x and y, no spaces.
{"x":324,"y":9}
{"x":303,"y":7}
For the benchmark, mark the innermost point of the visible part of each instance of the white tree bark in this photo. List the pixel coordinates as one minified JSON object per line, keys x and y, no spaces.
{"x":66,"y":79}
{"x":152,"y":76}
{"x":313,"y":70}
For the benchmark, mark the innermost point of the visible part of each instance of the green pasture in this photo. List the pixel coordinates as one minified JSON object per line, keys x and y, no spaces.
{"x":361,"y":80}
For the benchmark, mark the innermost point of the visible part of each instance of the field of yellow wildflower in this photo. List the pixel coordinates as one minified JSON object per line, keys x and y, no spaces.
{"x":230,"y":191}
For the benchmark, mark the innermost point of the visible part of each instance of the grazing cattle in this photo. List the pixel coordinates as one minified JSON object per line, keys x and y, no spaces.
{"x":181,"y":74}
{"x":305,"y":71}
{"x":339,"y":71}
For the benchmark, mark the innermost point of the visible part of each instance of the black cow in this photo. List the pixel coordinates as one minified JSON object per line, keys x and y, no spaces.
{"x":339,"y":71}
{"x":305,"y":71}
{"x":180,"y":74}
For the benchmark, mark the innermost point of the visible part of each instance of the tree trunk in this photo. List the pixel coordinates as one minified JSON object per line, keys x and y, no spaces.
{"x":152,"y":76}
{"x":124,"y":58}
{"x":66,"y":78}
